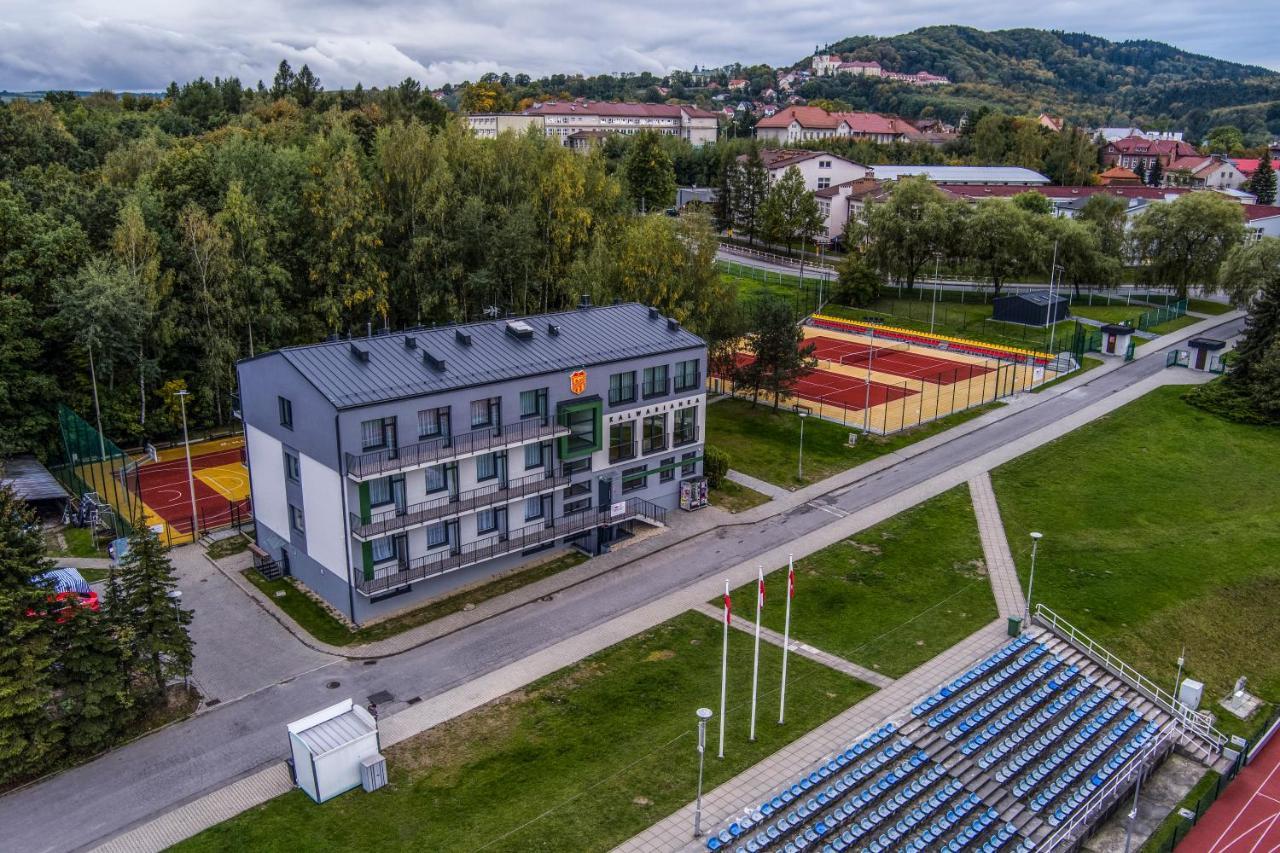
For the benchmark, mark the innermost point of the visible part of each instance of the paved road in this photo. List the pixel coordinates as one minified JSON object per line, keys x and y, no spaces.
{"x":172,"y":766}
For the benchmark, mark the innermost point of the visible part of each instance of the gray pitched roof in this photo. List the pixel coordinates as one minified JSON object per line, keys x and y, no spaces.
{"x":30,"y":480}
{"x":393,"y":369}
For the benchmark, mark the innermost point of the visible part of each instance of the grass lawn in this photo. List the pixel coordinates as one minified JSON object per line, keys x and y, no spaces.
{"x":319,"y":623}
{"x":736,"y":497}
{"x":227,"y":547}
{"x":803,"y":298}
{"x":1161,"y":527}
{"x":579,"y":760}
{"x":892,"y":596}
{"x":1109,"y":313}
{"x":1174,"y":325}
{"x":765,"y":443}
{"x":1207,"y":306}
{"x":79,"y":544}
{"x":1086,"y":365}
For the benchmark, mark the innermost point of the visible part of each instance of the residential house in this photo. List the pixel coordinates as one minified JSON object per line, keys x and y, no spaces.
{"x":1249,"y":165}
{"x":390,"y":469}
{"x":819,"y":169}
{"x":1261,"y":220}
{"x":1214,"y":172}
{"x":1053,"y":123}
{"x":1133,"y":151}
{"x":561,"y":119}
{"x":1119,"y":176}
{"x":796,"y":124}
{"x":738,"y":85}
{"x":842,"y":203}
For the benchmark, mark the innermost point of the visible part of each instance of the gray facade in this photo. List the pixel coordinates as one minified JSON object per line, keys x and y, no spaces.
{"x":391,"y":469}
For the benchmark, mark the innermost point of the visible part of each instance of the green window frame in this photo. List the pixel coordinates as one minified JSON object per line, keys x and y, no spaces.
{"x":586,"y":429}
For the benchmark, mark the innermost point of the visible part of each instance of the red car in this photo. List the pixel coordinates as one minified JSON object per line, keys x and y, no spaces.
{"x":68,"y":585}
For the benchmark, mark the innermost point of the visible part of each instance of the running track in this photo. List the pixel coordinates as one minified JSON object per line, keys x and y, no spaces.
{"x":848,"y":391}
{"x":941,"y":371}
{"x":1246,"y":818}
{"x":163,"y":487}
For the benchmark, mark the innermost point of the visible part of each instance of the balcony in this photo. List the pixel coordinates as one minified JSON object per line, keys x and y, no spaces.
{"x":435,"y":565}
{"x":654,"y":444}
{"x":656,"y":388}
{"x":683,"y":437}
{"x":379,"y":463}
{"x":390,"y":521}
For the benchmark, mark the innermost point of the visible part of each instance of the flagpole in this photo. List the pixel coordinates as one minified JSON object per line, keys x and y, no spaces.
{"x":755,"y":666}
{"x":786,"y":636}
{"x":724,"y":665}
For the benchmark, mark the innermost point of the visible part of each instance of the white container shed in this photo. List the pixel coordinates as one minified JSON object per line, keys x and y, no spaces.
{"x":329,"y":746}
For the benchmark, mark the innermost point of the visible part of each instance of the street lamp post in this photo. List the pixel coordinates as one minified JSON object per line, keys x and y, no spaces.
{"x":866,"y":401}
{"x":704,"y":714}
{"x":1031,"y":580}
{"x":800,"y":466}
{"x":1133,"y":815}
{"x":191,"y":479}
{"x":175,"y":595}
{"x":937,"y":264}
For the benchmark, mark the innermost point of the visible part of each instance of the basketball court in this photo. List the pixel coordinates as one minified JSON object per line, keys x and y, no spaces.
{"x":1246,"y":818}
{"x":220,"y":478}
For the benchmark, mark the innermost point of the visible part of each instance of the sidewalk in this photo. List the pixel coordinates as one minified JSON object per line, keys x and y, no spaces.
{"x":764,"y":488}
{"x":995,"y":548}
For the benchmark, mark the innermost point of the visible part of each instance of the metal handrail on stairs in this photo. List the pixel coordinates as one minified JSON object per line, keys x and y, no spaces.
{"x":1187,"y":721}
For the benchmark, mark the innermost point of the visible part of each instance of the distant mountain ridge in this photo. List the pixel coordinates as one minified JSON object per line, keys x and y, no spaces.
{"x":1087,"y":78}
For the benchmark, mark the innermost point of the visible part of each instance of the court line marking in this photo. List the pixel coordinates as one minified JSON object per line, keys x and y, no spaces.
{"x":1248,"y":802}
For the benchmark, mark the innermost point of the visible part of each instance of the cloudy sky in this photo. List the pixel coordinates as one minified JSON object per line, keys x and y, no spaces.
{"x":143,"y":44}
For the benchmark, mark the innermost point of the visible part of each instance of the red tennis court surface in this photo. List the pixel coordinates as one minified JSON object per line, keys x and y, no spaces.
{"x":940,"y":371}
{"x":164,"y":489}
{"x":848,"y":391}
{"x":1246,"y":818}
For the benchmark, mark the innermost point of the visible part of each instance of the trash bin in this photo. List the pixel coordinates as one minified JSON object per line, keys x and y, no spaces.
{"x":1015,"y":626}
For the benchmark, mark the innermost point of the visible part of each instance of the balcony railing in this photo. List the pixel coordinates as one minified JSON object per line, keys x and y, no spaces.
{"x":656,"y":388}
{"x":654,"y":443}
{"x":434,"y":565}
{"x":364,"y":466}
{"x":618,"y":396}
{"x":682,"y":437}
{"x":393,"y":520}
{"x":688,"y":383}
{"x":622,"y":452}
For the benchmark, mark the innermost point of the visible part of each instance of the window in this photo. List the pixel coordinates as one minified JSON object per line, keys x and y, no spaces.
{"x":482,"y":414}
{"x":655,"y":381}
{"x":577,"y":506}
{"x":437,"y":480}
{"x":292,"y":467}
{"x":535,"y":456}
{"x":486,"y":521}
{"x":667,"y":470}
{"x":655,"y":433}
{"x":686,"y":429}
{"x":622,"y":442}
{"x":295,"y":519}
{"x":687,"y":377}
{"x":578,"y":489}
{"x":690,"y":467}
{"x":533,"y":508}
{"x":577,"y":466}
{"x":286,"y":412}
{"x":823,"y":183}
{"x":533,"y":404}
{"x":486,"y":467}
{"x":383,"y":549}
{"x":634,"y":479}
{"x":380,"y":491}
{"x":378,"y":433}
{"x":437,"y":535}
{"x":824,"y":164}
{"x":583,"y":423}
{"x":433,"y":423}
{"x":622,"y":388}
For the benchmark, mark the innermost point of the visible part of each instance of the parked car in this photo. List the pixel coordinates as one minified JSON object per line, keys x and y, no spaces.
{"x":66,"y":585}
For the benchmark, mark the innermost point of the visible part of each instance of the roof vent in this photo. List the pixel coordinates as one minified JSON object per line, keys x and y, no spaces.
{"x":617,"y":301}
{"x":361,"y":355}
{"x":584,"y":301}
{"x":462,"y":337}
{"x":520,"y":329}
{"x":436,"y":364}
{"x":410,"y":342}
{"x":672,"y":326}
{"x":653,"y":313}
{"x":553,"y":329}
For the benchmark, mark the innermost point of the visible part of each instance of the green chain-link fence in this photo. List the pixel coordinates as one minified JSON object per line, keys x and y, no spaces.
{"x":100,"y":476}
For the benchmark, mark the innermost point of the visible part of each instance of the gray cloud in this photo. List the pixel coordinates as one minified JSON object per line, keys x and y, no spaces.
{"x":143,"y":44}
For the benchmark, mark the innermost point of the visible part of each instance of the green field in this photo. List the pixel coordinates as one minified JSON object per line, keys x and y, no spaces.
{"x":892,"y":596}
{"x":735,"y":497}
{"x":1161,"y":528}
{"x":320,"y":623}
{"x":579,"y":760}
{"x":1086,"y":365}
{"x":79,"y":543}
{"x":766,"y":443}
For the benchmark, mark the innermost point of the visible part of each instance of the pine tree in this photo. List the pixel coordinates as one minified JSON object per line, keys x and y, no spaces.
{"x":1138,"y":170}
{"x":776,"y":344}
{"x":750,"y":186}
{"x":160,"y":640}
{"x":27,"y":733}
{"x":283,"y":82}
{"x":1263,"y":182}
{"x":1156,"y":176}
{"x":92,"y":684}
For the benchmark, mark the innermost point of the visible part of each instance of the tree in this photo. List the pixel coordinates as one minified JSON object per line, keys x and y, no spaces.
{"x":1263,"y":182}
{"x":1004,"y":239}
{"x":27,"y":735}
{"x":1109,"y":214}
{"x":1072,"y":158}
{"x":1156,"y":176}
{"x":991,"y":139}
{"x":911,"y":227}
{"x":283,"y":83}
{"x":1253,"y":275}
{"x":1034,"y":203}
{"x":1139,"y":169}
{"x":1223,"y":139}
{"x":790,"y":212}
{"x":1184,"y":242}
{"x":750,"y":186}
{"x":207,"y":248}
{"x":650,"y":177}
{"x":1080,"y":254}
{"x":137,"y":249}
{"x":779,"y":355}
{"x":1249,"y":269}
{"x":858,"y":283}
{"x":157,"y":623}
{"x":91,"y":679}
{"x":305,"y":87}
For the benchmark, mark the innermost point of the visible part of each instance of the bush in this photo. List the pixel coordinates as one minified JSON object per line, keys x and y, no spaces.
{"x":1224,"y":399}
{"x":859,"y":284}
{"x":715,"y":464}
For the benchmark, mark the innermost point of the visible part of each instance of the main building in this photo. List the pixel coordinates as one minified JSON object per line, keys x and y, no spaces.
{"x":394,"y":468}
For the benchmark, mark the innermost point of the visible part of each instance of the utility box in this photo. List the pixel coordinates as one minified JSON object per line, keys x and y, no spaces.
{"x":329,"y":746}
{"x":1190,"y":693}
{"x":373,"y":772}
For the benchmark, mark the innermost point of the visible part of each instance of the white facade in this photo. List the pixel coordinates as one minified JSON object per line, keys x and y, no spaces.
{"x":1263,"y":226}
{"x":822,"y":171}
{"x":266,"y":478}
{"x":489,"y":125}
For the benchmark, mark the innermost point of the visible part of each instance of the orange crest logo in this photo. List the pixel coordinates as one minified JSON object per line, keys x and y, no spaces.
{"x":578,"y":381}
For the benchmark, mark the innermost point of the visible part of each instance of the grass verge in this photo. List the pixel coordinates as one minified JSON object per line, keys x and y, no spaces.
{"x":79,"y":544}
{"x":579,"y":760}
{"x":735,"y":497}
{"x":227,"y":547}
{"x":1161,"y":528}
{"x":890,"y":597}
{"x":1086,"y":365}
{"x":320,"y":623}
{"x":765,"y":443}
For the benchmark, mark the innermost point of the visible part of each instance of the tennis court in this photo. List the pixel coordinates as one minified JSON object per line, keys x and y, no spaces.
{"x":896,"y":358}
{"x":852,"y":393}
{"x":221,"y":483}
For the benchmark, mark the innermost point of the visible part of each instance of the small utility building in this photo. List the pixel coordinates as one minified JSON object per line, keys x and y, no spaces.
{"x":328,"y":748}
{"x":1032,"y":308}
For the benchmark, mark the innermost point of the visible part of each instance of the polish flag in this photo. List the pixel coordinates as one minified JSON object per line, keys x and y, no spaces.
{"x":728,"y":609}
{"x":760,"y":598}
{"x":791,"y":582}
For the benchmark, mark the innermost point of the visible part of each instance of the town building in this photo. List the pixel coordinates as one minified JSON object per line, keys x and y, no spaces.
{"x":392,"y":468}
{"x":561,"y":119}
{"x":1261,"y":220}
{"x":1132,"y":152}
{"x":1053,"y":123}
{"x":1013,"y":176}
{"x":1214,"y":172}
{"x":843,"y":203}
{"x":819,"y":169}
{"x":1249,"y":165}
{"x":1112,"y":134}
{"x":798,"y":124}
{"x":1119,"y":176}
